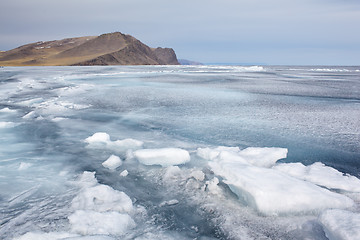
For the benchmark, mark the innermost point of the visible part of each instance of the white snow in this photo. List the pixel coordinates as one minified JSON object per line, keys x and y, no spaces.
{"x":102,"y":140}
{"x":162,"y":156}
{"x":92,"y":222}
{"x":270,"y":191}
{"x":98,"y":138}
{"x":112,"y":162}
{"x":340,"y":224}
{"x":322,"y":175}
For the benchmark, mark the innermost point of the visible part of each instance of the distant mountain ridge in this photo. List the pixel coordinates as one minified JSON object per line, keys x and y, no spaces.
{"x":189,"y":62}
{"x":107,"y":49}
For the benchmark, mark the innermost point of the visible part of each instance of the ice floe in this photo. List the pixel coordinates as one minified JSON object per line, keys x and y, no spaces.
{"x":162,"y":156}
{"x":92,"y":222}
{"x":124,"y":173}
{"x":102,"y":140}
{"x":269,"y":191}
{"x":112,"y":162}
{"x":321,"y":175}
{"x":340,"y":224}
{"x":100,"y":209}
{"x":101,"y":198}
{"x":261,"y":157}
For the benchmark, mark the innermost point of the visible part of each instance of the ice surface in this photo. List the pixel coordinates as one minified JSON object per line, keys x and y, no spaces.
{"x":94,"y":237}
{"x":24,"y":166}
{"x":321,"y":175}
{"x":269,"y":191}
{"x":7,"y":124}
{"x":312,"y":112}
{"x":92,"y":222}
{"x":7,"y":110}
{"x":112,"y":162}
{"x":163,"y":156}
{"x":102,"y":140}
{"x":169,"y":203}
{"x":340,"y":224}
{"x":172,"y":172}
{"x":46,"y":236}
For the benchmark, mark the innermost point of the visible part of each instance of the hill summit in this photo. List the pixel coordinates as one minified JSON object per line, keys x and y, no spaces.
{"x":107,"y":49}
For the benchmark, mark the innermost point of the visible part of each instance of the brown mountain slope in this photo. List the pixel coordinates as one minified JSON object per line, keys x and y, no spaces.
{"x":107,"y":49}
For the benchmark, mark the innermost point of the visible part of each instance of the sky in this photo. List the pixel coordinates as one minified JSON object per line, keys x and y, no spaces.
{"x":272,"y":32}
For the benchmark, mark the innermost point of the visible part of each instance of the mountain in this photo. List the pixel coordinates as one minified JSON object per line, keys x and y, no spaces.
{"x":188,"y":62}
{"x":107,"y":49}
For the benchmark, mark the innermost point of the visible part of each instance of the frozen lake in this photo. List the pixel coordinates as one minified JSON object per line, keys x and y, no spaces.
{"x":180,"y":152}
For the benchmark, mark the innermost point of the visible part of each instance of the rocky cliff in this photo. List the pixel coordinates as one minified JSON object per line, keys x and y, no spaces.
{"x":107,"y":49}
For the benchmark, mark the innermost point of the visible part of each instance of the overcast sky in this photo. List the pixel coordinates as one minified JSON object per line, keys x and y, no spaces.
{"x":306,"y":32}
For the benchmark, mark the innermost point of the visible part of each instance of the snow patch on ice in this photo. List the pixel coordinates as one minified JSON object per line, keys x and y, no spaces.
{"x":340,"y":224}
{"x":162,"y":156}
{"x":321,"y":175}
{"x":112,"y":162}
